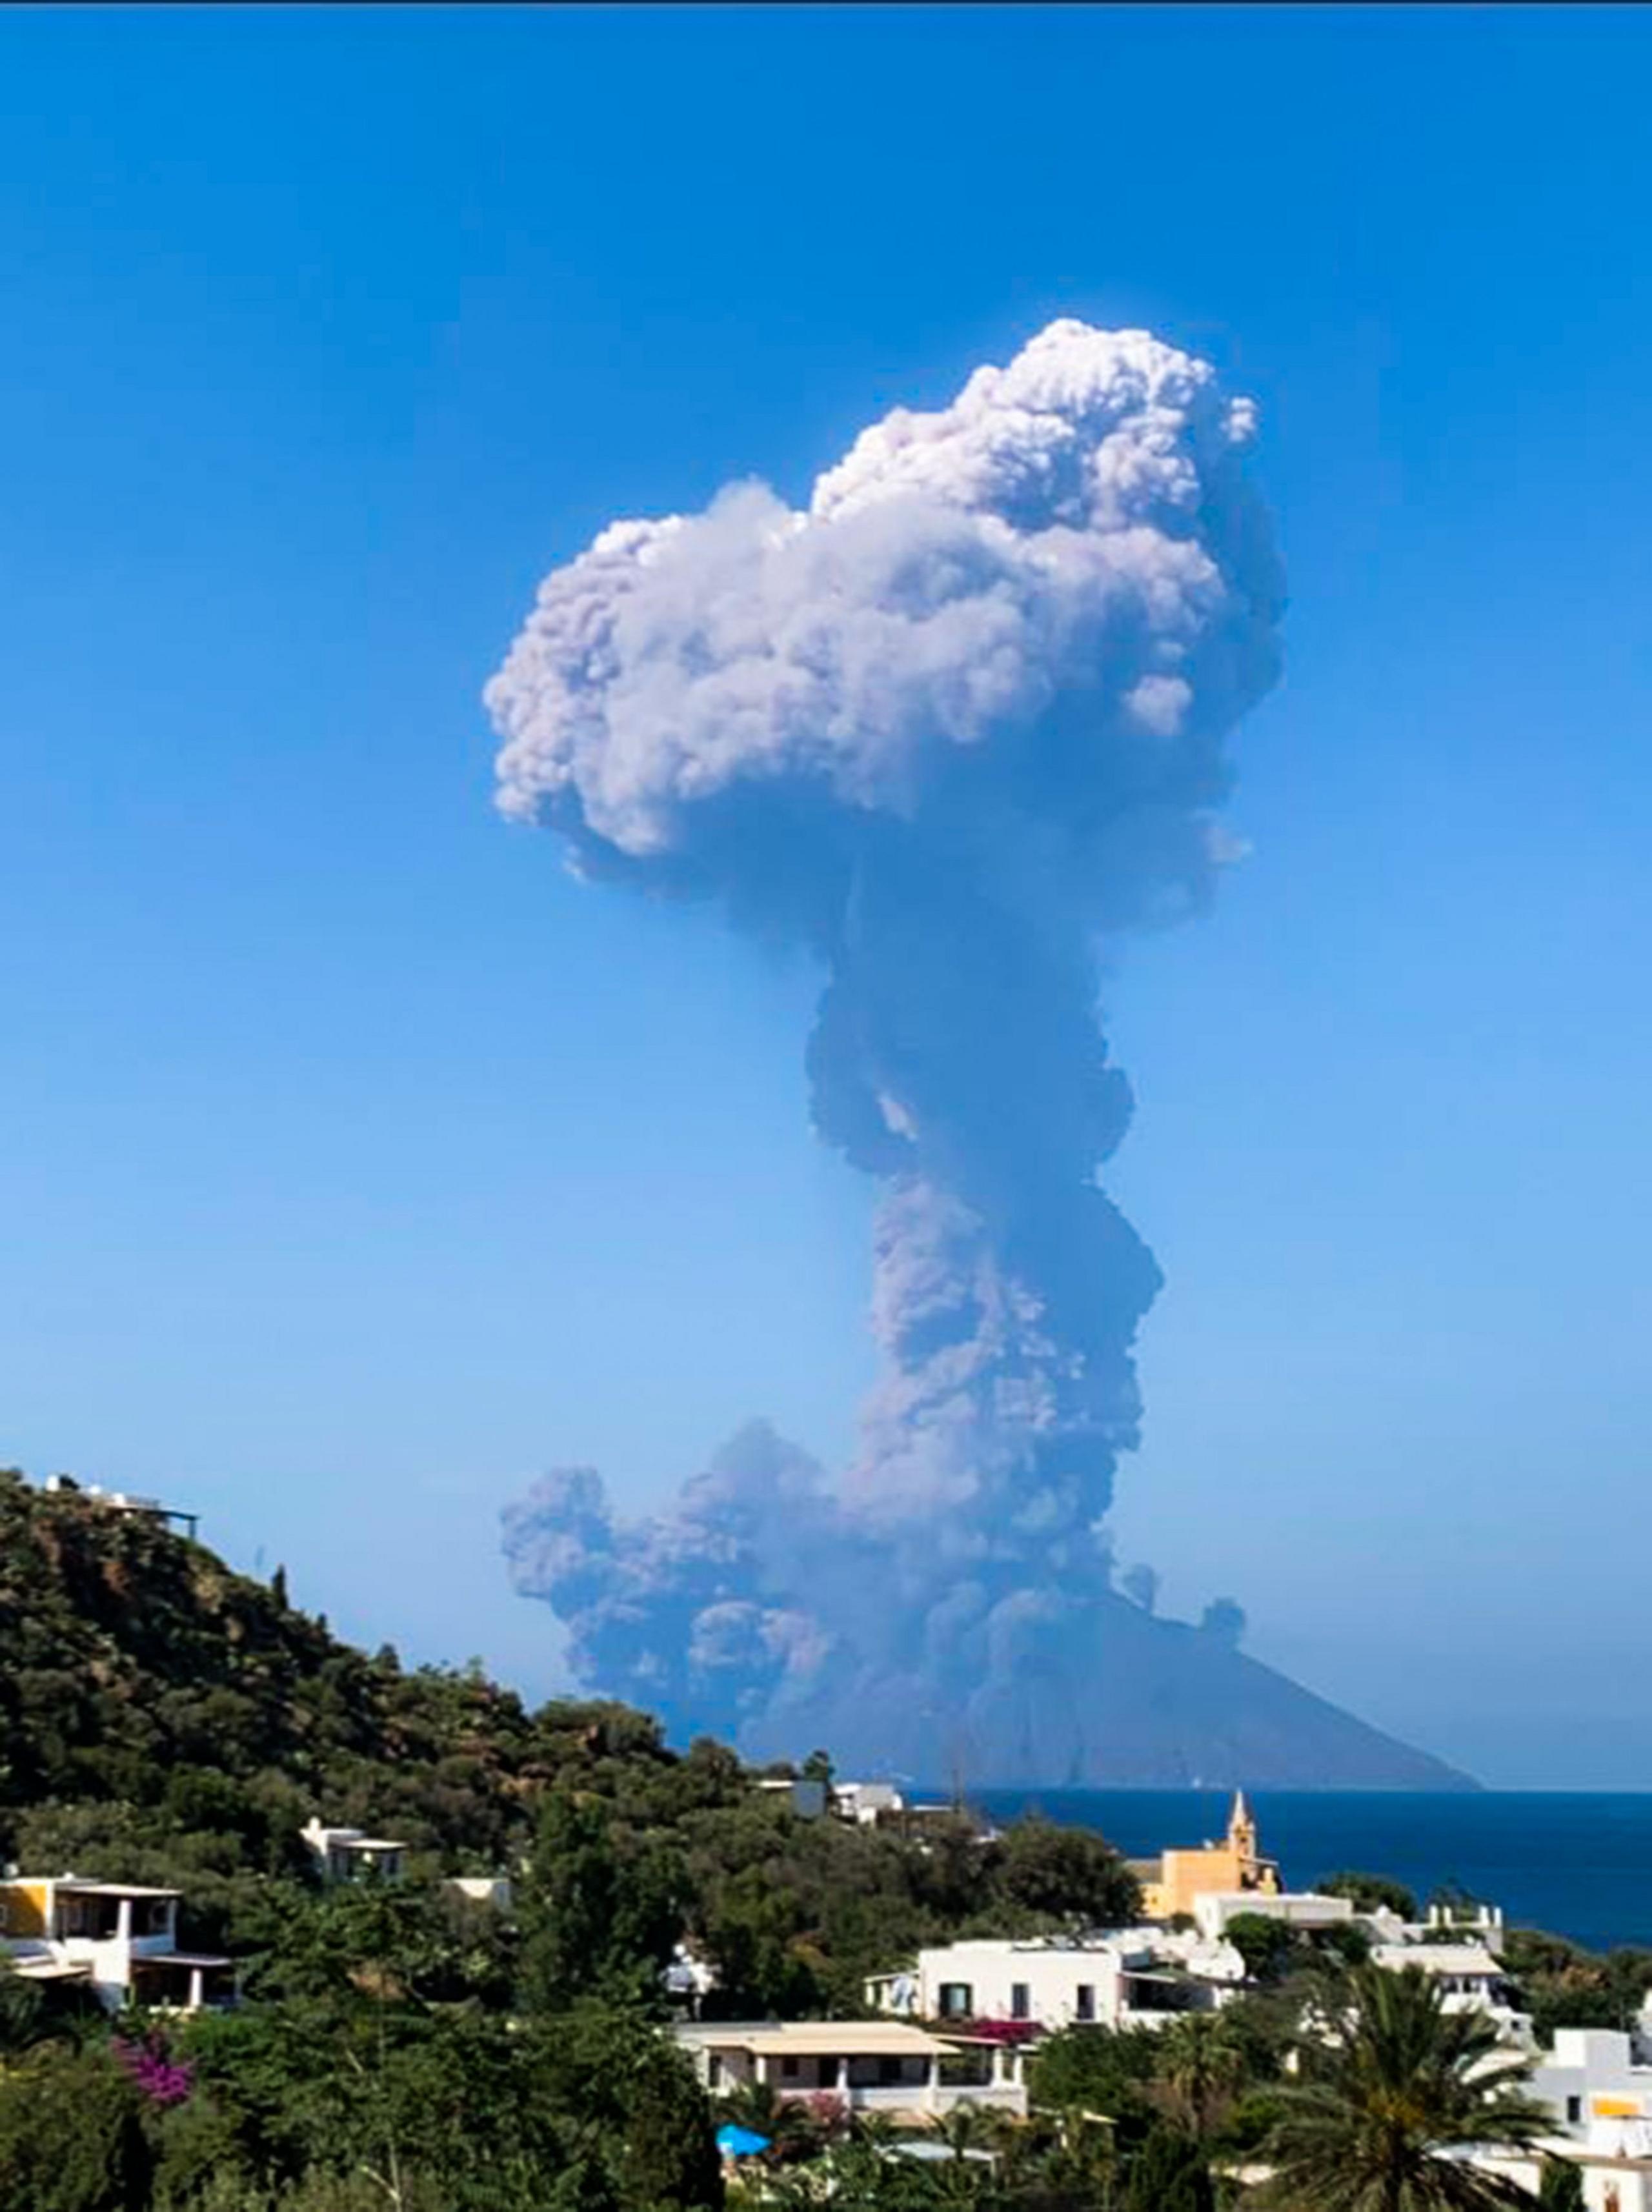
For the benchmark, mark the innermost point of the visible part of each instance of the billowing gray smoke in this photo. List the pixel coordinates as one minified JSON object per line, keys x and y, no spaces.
{"x":948,"y":727}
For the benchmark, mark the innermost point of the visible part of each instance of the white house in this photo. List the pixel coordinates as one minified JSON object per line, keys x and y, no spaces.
{"x":1215,"y":1909}
{"x":867,"y":1803}
{"x":119,"y":1938}
{"x":1471,"y":1978}
{"x":350,"y":1854}
{"x":1132,"y":1977}
{"x":1614,"y":2179}
{"x":867,"y":2065}
{"x":121,"y":1501}
{"x":1597,"y":2083}
{"x":1460,"y":1924}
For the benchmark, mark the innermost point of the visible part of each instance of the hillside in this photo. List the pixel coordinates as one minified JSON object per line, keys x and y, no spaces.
{"x":164,"y":1719}
{"x":153,"y":1703}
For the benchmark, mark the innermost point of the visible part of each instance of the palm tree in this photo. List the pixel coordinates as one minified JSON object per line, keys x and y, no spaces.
{"x":972,"y":2135}
{"x":787,"y":2124}
{"x":1082,"y":2162}
{"x":875,"y":2130}
{"x":1397,"y":2085}
{"x":1199,"y":2069}
{"x":964,"y":2129}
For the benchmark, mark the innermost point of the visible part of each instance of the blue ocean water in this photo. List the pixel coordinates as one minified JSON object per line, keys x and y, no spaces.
{"x":1579,"y":1865}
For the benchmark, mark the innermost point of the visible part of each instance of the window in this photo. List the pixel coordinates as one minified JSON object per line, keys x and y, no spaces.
{"x":788,"y":2069}
{"x":1574,"y":2111}
{"x":1020,"y":2001}
{"x":957,"y":2000}
{"x":90,"y":1916}
{"x":1085,"y":2007}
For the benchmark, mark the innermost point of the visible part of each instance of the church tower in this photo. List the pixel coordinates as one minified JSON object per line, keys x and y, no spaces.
{"x":1251,"y":1869}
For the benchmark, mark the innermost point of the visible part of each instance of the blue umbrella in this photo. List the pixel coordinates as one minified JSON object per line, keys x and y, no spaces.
{"x":740,"y":2143}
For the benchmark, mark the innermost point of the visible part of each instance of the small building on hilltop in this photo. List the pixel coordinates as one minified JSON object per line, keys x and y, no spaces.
{"x":351,"y":1854}
{"x":120,"y":1939}
{"x":1171,"y":1885}
{"x":867,"y":1804}
{"x":122,"y":1502}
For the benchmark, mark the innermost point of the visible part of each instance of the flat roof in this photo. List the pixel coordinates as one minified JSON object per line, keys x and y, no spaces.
{"x":1440,"y":1958}
{"x":819,"y":2039}
{"x":77,"y":1888}
{"x":1103,"y":1942}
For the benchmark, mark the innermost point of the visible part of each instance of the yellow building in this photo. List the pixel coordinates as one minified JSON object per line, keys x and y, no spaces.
{"x":1170,"y":1885}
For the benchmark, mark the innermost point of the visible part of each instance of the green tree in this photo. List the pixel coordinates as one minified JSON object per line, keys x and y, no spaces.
{"x":1344,"y":1940}
{"x":1067,"y":1874}
{"x":1378,"y":2108}
{"x":72,"y":2137}
{"x":22,"y":2022}
{"x":1371,"y":1893}
{"x":658,"y":2135}
{"x":1268,"y":1946}
{"x":1561,"y":2188}
{"x":975,"y":2140}
{"x":751,"y":1931}
{"x":1169,"y":2173}
{"x":1199,"y":2070}
{"x":598,"y":1920}
{"x":462,"y":2108}
{"x":1093,"y":2070}
{"x":1563,"y":1986}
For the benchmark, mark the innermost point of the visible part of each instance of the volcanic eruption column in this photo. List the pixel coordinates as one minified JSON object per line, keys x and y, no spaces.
{"x":948,"y":727}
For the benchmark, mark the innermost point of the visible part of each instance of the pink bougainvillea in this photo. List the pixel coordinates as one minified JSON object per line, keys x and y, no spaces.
{"x":163,"y":2079}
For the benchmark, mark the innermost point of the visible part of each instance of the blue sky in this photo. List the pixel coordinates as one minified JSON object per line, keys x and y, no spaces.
{"x":356,"y":1165}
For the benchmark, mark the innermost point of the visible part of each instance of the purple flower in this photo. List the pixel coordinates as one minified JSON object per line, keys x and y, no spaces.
{"x":165,"y":2082}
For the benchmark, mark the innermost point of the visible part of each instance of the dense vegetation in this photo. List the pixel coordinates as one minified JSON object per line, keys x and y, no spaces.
{"x":164,"y":1719}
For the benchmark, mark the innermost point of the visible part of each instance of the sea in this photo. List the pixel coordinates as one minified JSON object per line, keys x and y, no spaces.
{"x":1577,"y":1865}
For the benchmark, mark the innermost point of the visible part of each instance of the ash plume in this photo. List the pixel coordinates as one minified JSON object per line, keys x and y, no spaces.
{"x":948,"y":727}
